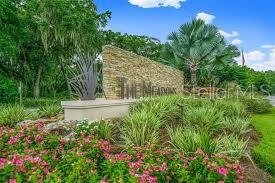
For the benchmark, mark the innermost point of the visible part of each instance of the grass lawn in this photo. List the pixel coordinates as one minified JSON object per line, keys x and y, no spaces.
{"x":264,"y":153}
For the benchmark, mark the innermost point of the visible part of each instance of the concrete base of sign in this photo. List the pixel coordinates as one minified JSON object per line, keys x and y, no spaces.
{"x":96,"y":109}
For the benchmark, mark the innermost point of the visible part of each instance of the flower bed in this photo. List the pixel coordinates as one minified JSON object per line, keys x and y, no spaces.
{"x":30,"y":155}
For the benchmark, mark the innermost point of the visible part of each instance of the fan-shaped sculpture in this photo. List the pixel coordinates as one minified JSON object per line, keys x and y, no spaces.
{"x":84,"y":72}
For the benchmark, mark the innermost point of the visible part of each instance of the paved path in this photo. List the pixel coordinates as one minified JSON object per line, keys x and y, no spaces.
{"x":272,"y":99}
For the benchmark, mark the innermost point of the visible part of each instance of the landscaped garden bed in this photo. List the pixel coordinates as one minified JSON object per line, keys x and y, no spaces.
{"x":164,"y":139}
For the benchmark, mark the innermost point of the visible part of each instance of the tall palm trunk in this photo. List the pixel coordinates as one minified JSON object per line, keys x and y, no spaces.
{"x":193,"y":71}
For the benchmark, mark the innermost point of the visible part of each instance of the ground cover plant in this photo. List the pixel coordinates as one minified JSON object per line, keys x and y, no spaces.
{"x":264,"y":151}
{"x":163,"y":139}
{"x":12,"y":114}
{"x":29,"y":154}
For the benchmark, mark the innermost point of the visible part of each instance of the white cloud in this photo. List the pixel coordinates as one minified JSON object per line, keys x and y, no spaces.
{"x":207,"y":18}
{"x":157,"y":3}
{"x":272,"y":55}
{"x":229,"y":35}
{"x":268,"y":46}
{"x":237,"y":42}
{"x":255,"y":56}
{"x":260,"y":60}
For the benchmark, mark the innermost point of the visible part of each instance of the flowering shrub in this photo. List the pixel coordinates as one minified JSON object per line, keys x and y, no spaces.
{"x":27,"y":154}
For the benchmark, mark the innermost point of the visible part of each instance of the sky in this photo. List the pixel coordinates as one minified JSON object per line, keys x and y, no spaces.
{"x":248,"y":24}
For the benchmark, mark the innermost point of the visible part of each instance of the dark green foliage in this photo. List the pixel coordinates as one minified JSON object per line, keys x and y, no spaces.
{"x":38,"y":39}
{"x":142,"y":45}
{"x":8,"y":90}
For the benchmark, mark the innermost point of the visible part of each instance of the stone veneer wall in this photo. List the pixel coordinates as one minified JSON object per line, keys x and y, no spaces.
{"x":120,"y":63}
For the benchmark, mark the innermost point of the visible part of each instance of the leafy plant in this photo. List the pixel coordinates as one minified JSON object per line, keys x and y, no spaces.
{"x":141,"y":127}
{"x":102,"y":129}
{"x":189,"y":140}
{"x":231,"y":108}
{"x":232,"y":146}
{"x":203,"y":118}
{"x":165,"y":107}
{"x":40,"y":102}
{"x":186,"y":140}
{"x":192,"y":102}
{"x":257,"y":105}
{"x":12,"y":114}
{"x":50,"y":110}
{"x":236,"y":126}
{"x":197,"y":44}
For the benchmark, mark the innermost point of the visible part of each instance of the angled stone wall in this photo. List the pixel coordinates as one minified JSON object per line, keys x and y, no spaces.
{"x":140,"y":76}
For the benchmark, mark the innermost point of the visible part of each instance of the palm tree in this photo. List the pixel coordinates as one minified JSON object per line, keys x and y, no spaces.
{"x":197,"y":43}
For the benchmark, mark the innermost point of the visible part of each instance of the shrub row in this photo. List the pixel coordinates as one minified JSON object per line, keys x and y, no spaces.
{"x":12,"y":114}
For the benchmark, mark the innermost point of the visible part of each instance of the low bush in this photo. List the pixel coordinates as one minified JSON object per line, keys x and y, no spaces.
{"x":232,"y":146}
{"x":30,"y":155}
{"x":12,"y":114}
{"x":140,"y":128}
{"x":191,"y":102}
{"x":101,"y":129}
{"x":203,"y":118}
{"x":40,"y":102}
{"x":186,"y":140}
{"x":256,"y":105}
{"x":165,"y":107}
{"x":50,"y":110}
{"x":236,"y":126}
{"x":189,"y":140}
{"x":231,"y":108}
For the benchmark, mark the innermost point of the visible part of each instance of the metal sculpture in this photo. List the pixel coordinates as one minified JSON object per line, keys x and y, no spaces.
{"x":85,"y":75}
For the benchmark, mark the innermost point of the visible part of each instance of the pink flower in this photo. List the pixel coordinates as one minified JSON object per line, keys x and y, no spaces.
{"x":28,"y":139}
{"x":146,"y":172}
{"x":88,"y":139}
{"x":104,"y":181}
{"x":17,"y":161}
{"x":1,"y":165}
{"x":131,"y":164}
{"x":38,"y":138}
{"x":163,"y":167}
{"x":132,"y":172}
{"x":46,"y":170}
{"x":222,"y":171}
{"x":119,"y":156}
{"x":221,"y":181}
{"x":43,"y":163}
{"x":12,"y":181}
{"x":138,"y":164}
{"x":37,"y":159}
{"x":3,"y":160}
{"x":88,"y":160}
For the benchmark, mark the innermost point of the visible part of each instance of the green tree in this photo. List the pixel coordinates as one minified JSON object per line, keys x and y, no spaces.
{"x":38,"y":34}
{"x":142,"y":45}
{"x":198,"y":44}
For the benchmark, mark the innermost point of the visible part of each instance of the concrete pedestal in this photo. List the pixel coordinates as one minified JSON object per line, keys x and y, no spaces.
{"x":96,"y":109}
